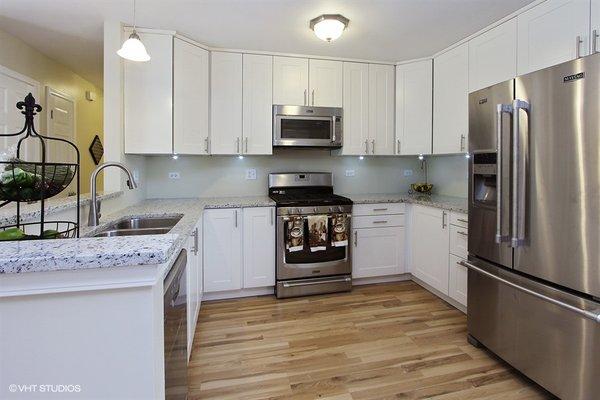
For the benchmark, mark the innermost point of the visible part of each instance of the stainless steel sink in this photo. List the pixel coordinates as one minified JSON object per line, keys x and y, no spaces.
{"x":140,"y":226}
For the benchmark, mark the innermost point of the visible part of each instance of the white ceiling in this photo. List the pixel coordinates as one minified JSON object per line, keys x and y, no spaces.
{"x":70,"y":31}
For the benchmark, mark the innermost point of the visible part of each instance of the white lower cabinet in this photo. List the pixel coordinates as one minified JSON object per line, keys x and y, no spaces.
{"x":457,"y":280}
{"x":239,"y":248}
{"x":193,"y":283}
{"x":378,"y":252}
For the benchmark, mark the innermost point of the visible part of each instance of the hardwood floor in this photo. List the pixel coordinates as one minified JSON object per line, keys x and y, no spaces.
{"x":391,"y":341}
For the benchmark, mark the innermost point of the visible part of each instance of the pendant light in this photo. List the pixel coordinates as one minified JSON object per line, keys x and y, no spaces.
{"x":133,"y":49}
{"x":329,"y":27}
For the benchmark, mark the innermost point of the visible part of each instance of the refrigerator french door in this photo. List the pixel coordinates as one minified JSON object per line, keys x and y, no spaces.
{"x":534,"y":225}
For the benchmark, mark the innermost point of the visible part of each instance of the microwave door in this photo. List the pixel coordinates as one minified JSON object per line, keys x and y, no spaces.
{"x":303,"y":131}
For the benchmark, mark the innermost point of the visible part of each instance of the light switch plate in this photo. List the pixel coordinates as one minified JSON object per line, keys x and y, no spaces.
{"x":251,"y":174}
{"x":174,"y":175}
{"x":350,"y":172}
{"x":408,"y":172}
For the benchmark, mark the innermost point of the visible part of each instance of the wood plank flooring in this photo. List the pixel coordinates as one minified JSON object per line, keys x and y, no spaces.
{"x":389,"y":341}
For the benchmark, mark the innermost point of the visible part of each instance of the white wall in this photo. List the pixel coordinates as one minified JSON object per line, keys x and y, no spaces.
{"x":449,"y":174}
{"x":225,"y":175}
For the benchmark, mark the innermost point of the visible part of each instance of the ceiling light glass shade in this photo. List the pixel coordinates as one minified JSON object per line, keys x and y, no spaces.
{"x":329,"y":27}
{"x":133,"y":49}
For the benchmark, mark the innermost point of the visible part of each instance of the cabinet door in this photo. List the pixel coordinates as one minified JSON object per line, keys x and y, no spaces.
{"x":381,"y":109}
{"x":595,"y":30}
{"x":457,"y":280}
{"x":222,"y":250}
{"x":192,"y":294}
{"x":378,"y":252}
{"x":547,"y":34}
{"x":493,"y":56}
{"x":259,"y":247}
{"x":226,"y":103}
{"x":148,"y":87}
{"x":356,"y":108}
{"x":414,"y":92}
{"x":429,"y":246}
{"x":190,"y":98}
{"x":290,"y":81}
{"x":450,"y":101}
{"x":325,"y":83}
{"x":258,"y":104}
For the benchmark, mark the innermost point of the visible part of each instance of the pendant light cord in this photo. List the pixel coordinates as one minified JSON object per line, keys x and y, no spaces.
{"x":134,"y":15}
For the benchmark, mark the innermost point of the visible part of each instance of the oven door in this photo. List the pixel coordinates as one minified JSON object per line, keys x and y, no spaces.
{"x":305,"y":263}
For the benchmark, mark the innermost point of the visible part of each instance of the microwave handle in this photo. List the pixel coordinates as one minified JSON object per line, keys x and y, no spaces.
{"x":333,"y":120}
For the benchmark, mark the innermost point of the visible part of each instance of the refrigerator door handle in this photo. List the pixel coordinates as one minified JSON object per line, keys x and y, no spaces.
{"x":519,"y":163}
{"x":593,"y":315}
{"x":500,"y":110}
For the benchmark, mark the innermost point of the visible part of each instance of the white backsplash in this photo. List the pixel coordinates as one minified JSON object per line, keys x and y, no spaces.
{"x":207,"y":176}
{"x":449,"y":174}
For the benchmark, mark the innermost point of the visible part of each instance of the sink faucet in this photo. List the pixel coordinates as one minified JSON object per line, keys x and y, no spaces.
{"x":94,"y":217}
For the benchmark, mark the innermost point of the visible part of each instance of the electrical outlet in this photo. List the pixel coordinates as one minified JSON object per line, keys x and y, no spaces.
{"x":408,"y":172}
{"x":251,"y":174}
{"x":350,"y":172}
{"x":174,"y":175}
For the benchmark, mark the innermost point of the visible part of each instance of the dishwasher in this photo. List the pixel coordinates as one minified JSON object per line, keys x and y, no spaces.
{"x":175,"y":330}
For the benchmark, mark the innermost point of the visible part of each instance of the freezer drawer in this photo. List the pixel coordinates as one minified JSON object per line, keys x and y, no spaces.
{"x":551,"y":336}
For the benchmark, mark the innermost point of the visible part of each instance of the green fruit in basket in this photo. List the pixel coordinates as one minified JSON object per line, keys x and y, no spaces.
{"x":12,"y":234}
{"x":50,"y":234}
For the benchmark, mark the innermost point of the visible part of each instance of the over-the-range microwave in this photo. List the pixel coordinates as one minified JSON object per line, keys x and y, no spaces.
{"x":305,"y":126}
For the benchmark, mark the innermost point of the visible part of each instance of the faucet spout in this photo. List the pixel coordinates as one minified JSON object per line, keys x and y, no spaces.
{"x":94,"y":216}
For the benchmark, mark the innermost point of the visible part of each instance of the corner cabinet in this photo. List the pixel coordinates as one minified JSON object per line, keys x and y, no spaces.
{"x":166,"y":99}
{"x":239,"y":248}
{"x":450,"y":101}
{"x":414,"y":91}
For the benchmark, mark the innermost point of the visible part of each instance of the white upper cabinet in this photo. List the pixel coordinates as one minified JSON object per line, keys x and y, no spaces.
{"x":259,"y":246}
{"x":190,"y":98}
{"x":414,"y":91}
{"x":325,"y":83}
{"x":595,"y":28}
{"x":290,"y":81}
{"x":356,"y":108}
{"x":148,"y":98}
{"x":450,"y":101}
{"x":226,"y":103}
{"x":381,"y":109}
{"x":552,"y":32}
{"x":493,"y":56}
{"x":258,"y":104}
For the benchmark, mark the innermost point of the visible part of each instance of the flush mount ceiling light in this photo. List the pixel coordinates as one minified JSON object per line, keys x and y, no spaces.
{"x":133,"y":49}
{"x":329,"y":27}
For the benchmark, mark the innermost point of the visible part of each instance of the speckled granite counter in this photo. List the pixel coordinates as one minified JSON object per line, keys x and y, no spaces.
{"x":89,"y":252}
{"x":450,"y":203}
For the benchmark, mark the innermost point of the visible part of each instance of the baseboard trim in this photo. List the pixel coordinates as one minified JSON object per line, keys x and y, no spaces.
{"x":439,"y":294}
{"x":380,"y":279}
{"x":234,"y":294}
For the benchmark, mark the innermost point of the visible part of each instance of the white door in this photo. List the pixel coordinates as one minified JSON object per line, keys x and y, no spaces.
{"x":429,"y":246}
{"x":226,"y":103}
{"x":450,"y":101}
{"x":259,"y":247}
{"x":356,"y":108}
{"x":414,"y":92}
{"x":14,"y":87}
{"x":290,"y":81}
{"x":548,"y":34}
{"x":493,"y":56}
{"x":191,"y":291}
{"x":60,"y":114}
{"x":378,"y":252}
{"x":258,"y":104}
{"x":222,"y":250}
{"x":148,"y":98}
{"x":325,"y":83}
{"x":595,"y":29}
{"x":457,"y":280}
{"x":190,"y":99}
{"x":381,"y":109}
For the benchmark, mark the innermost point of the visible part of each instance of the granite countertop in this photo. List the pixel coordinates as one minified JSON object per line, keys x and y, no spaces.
{"x":105,"y":252}
{"x":458,"y":204}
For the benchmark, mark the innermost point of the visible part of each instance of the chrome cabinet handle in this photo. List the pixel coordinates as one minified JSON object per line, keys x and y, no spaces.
{"x":367,"y":146}
{"x":305,"y":97}
{"x":462,"y":142}
{"x":578,"y":42}
{"x":462,"y":233}
{"x":595,"y":41}
{"x":272,"y":216}
{"x":380,"y":209}
{"x":373,"y":146}
{"x":462,"y":220}
{"x":500,"y":110}
{"x":195,"y":236}
{"x":235,"y":215}
{"x":246,"y":145}
{"x":333,"y":119}
{"x":519,"y":162}
{"x":313,"y":97}
{"x":380,"y":222}
{"x":355,"y":238}
{"x":443,"y":219}
{"x":594,"y":316}
{"x":237,"y":145}
{"x":206,"y":145}
{"x":398,"y":151}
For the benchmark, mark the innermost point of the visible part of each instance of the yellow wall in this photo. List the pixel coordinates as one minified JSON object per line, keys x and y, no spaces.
{"x":24,"y":59}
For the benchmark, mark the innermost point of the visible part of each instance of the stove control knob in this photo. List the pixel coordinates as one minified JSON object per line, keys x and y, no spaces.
{"x":330,"y":209}
{"x":315,"y":209}
{"x":340,"y":209}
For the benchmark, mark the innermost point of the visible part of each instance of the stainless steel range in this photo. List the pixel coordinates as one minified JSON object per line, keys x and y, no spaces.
{"x":313,"y":226}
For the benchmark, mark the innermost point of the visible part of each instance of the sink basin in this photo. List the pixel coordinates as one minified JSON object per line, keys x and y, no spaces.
{"x":140,"y":226}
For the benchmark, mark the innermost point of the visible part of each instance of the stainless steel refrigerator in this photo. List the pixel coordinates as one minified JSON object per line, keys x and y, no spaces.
{"x":534,"y":225}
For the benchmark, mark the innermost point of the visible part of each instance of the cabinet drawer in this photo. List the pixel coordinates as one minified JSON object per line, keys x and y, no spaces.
{"x":458,"y":241}
{"x":378,"y":221}
{"x":378,"y":209}
{"x":459,"y":219}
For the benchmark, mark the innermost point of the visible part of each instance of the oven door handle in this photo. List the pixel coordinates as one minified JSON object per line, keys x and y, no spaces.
{"x":306,"y":283}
